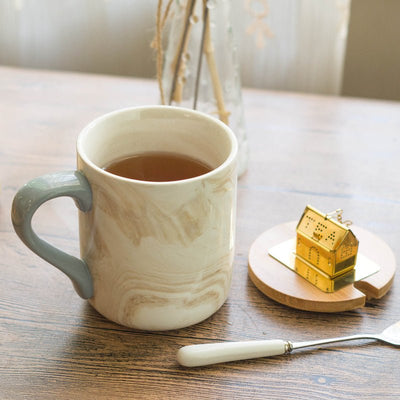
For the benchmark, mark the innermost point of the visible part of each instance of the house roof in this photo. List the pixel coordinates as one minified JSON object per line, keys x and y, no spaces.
{"x":323,"y":229}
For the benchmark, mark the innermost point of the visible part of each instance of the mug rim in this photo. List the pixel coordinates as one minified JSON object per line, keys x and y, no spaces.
{"x":85,"y":131}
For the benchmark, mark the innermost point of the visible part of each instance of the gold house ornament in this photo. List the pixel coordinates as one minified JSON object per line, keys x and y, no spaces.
{"x":325,"y":249}
{"x":324,"y":252}
{"x":325,"y":243}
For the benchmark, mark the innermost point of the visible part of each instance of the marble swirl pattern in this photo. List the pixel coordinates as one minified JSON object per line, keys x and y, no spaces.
{"x":160,"y":255}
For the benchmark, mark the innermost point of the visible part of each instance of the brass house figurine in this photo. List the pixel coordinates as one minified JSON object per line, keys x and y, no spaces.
{"x":324,"y":244}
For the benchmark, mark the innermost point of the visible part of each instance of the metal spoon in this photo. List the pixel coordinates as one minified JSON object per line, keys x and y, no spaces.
{"x":206,"y":354}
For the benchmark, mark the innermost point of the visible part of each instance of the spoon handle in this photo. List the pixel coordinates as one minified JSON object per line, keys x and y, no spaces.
{"x":206,"y":354}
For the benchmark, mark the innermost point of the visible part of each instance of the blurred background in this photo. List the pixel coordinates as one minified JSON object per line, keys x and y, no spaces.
{"x":335,"y":47}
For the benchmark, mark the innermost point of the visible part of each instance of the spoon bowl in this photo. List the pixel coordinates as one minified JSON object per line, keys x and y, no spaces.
{"x":391,"y":334}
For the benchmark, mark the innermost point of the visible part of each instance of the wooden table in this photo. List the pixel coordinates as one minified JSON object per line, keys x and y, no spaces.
{"x":304,"y":149}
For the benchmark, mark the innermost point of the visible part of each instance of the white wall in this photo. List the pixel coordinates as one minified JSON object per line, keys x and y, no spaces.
{"x":304,"y":53}
{"x":105,"y":36}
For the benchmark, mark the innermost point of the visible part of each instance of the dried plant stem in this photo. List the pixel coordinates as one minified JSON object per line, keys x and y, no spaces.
{"x":166,"y":12}
{"x":159,"y":51}
{"x":178,"y":65}
{"x":198,"y":73}
{"x":157,"y":44}
{"x":216,"y":83}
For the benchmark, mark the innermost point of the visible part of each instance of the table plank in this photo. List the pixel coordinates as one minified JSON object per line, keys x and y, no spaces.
{"x":304,"y":149}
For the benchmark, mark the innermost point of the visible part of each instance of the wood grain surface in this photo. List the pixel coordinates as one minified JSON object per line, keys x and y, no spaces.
{"x":304,"y":149}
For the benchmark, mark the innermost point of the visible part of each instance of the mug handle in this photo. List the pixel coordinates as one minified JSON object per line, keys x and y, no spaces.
{"x":29,"y":198}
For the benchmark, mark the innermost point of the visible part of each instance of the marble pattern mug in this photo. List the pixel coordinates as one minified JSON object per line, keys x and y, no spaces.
{"x":154,"y":255}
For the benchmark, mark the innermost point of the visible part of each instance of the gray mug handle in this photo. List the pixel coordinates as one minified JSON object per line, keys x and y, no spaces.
{"x":27,"y":201}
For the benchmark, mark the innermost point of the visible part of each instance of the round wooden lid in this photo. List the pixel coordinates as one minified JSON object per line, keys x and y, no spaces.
{"x":285,"y":286}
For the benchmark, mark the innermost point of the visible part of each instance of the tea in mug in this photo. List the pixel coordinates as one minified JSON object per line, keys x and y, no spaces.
{"x":158,"y":167}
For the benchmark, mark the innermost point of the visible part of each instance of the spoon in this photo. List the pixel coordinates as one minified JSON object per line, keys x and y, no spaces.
{"x":206,"y":354}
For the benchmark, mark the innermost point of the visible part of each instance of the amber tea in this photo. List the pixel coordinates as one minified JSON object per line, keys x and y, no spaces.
{"x":158,"y":167}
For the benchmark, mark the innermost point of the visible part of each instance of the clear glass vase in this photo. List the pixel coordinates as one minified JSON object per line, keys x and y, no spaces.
{"x":201,"y":66}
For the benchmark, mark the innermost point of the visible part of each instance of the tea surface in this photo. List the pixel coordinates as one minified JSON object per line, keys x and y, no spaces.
{"x":158,"y":167}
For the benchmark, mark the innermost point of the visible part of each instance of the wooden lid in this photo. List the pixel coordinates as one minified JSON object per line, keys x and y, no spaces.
{"x":286,"y":287}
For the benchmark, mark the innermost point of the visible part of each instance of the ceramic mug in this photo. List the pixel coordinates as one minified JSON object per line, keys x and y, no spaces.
{"x":154,"y":255}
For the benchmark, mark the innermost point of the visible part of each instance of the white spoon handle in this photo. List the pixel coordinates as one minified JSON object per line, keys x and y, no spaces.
{"x":206,"y":354}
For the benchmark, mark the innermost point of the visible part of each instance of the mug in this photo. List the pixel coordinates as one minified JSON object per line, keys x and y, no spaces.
{"x":154,"y":255}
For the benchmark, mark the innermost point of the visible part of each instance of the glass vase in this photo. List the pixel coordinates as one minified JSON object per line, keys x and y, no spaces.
{"x":201,"y":66}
